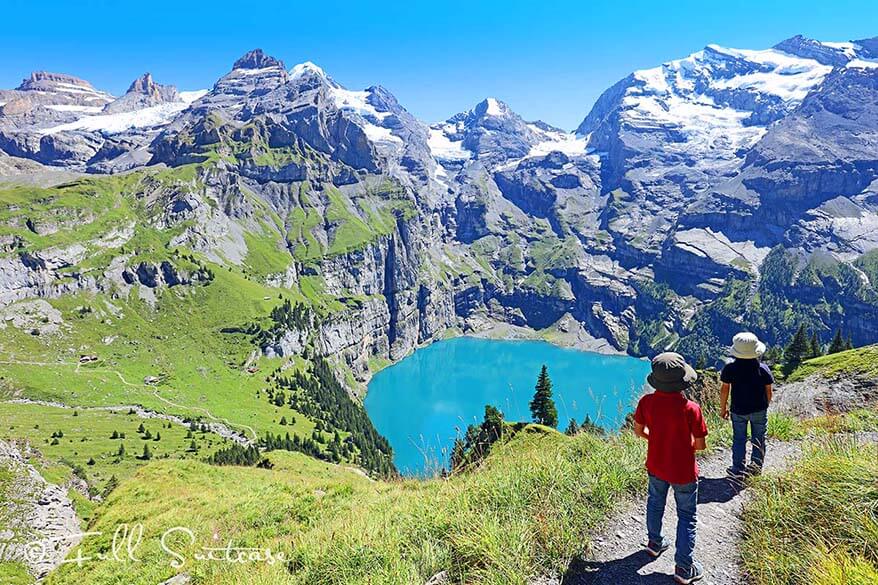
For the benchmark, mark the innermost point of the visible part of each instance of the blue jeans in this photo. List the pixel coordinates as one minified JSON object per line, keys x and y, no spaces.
{"x":758,"y":422}
{"x":686,"y":496}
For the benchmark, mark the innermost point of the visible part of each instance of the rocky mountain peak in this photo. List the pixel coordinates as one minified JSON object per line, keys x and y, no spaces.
{"x":143,"y":93}
{"x":143,"y":84}
{"x":493,"y":107}
{"x":62,"y":91}
{"x":834,"y":54}
{"x":486,"y":109}
{"x":868,"y":47}
{"x":257,"y":59}
{"x":40,"y":79}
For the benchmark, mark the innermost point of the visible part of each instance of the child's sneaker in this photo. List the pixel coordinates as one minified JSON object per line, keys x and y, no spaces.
{"x":684,"y":576}
{"x":657,"y":548}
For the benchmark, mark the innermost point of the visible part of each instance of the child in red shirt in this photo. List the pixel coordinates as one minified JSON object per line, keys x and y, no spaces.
{"x":675,"y":429}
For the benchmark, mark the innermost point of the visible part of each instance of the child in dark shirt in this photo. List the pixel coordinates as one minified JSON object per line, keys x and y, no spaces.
{"x":750,"y":384}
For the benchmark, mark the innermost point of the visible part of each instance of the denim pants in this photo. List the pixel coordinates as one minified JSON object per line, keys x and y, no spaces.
{"x":686,"y":496}
{"x":758,"y":422}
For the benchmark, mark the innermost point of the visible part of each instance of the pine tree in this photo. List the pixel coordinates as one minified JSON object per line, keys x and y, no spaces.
{"x":797,"y":350}
{"x":283,"y":421}
{"x":147,"y":435}
{"x":90,"y":461}
{"x":815,"y":349}
{"x":837,"y":344}
{"x":542,"y":407}
{"x":140,"y":429}
{"x":773,"y":355}
{"x":192,"y":446}
{"x":121,"y":452}
{"x":158,"y":437}
{"x":111,"y":485}
{"x":115,"y":435}
{"x":147,"y":455}
{"x":589,"y":426}
{"x":458,"y":452}
{"x":572,"y":427}
{"x":849,"y":344}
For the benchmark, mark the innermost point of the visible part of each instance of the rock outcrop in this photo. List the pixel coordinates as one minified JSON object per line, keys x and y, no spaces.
{"x":43,"y":518}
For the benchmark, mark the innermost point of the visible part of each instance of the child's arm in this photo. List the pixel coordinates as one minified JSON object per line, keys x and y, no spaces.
{"x":724,"y":399}
{"x":769,"y":392}
{"x":641,"y":431}
{"x":699,"y":444}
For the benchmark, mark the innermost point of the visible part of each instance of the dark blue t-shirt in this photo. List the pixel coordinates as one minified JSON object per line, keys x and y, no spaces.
{"x":748,"y":379}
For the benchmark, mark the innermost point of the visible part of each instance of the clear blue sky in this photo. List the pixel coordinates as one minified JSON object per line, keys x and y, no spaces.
{"x":548,"y":60}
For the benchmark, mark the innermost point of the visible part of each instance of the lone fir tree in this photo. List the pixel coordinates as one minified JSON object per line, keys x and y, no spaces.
{"x":797,"y":350}
{"x":542,"y":407}
{"x":837,"y":344}
{"x":816,"y":350}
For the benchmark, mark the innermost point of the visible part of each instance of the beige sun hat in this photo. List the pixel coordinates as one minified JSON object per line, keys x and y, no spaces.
{"x":747,"y":346}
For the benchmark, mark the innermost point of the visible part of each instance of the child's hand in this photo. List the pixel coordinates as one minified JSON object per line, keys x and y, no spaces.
{"x":724,"y":413}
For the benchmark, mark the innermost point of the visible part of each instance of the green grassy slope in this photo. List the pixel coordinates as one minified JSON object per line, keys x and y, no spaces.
{"x":86,"y":445}
{"x":862,"y":361}
{"x":525,"y":512}
{"x":178,"y":340}
{"x":816,"y":525}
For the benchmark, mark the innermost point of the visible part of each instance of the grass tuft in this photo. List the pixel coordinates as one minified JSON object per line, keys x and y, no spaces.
{"x":816,"y":523}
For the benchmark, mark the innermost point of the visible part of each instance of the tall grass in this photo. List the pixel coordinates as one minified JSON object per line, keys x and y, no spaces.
{"x":816,"y":524}
{"x":527,"y":510}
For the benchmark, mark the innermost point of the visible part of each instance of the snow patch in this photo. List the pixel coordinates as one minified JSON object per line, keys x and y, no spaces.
{"x":862,"y":64}
{"x":306,"y":67}
{"x":379,"y":134}
{"x":495,"y":108}
{"x":654,"y":79}
{"x":443,"y":148}
{"x":356,"y":101}
{"x":260,"y":71}
{"x":847,"y":47}
{"x":187,"y":97}
{"x":81,"y":109}
{"x":151,"y":117}
{"x":564,"y":142}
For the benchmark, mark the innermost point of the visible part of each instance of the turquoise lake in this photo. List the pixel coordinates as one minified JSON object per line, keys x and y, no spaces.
{"x":422,"y":402}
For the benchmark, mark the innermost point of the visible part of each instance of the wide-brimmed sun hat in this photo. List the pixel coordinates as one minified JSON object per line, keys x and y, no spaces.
{"x":671,"y":373}
{"x":747,"y":346}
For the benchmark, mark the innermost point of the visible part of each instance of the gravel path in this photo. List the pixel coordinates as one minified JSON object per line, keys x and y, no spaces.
{"x":617,"y":556}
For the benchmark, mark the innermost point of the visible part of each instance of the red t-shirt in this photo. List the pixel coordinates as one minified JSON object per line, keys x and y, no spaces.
{"x":672,"y":421}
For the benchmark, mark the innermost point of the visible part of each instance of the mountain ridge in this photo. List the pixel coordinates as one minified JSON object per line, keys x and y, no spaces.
{"x":672,"y":176}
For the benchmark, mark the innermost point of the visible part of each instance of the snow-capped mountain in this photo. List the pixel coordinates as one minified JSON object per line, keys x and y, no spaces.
{"x":62,"y":120}
{"x":686,"y":174}
{"x":678,"y":142}
{"x":495,"y":135}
